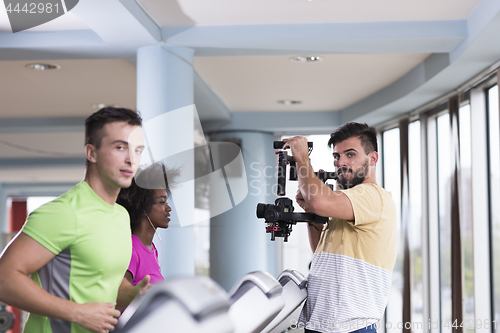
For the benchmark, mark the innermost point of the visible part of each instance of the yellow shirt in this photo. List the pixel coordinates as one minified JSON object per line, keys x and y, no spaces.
{"x":351,"y":273}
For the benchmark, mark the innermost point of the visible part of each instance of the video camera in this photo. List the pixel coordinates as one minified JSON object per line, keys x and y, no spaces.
{"x":280,"y":217}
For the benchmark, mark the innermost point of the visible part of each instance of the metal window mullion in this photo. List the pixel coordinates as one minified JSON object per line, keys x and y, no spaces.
{"x":382,"y":181}
{"x":480,"y":211}
{"x":433,"y":225}
{"x":405,"y":194}
{"x":456,"y":242}
{"x":425,"y":224}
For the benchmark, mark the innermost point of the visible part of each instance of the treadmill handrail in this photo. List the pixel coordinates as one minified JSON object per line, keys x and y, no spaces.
{"x":263,"y":280}
{"x":290,"y":274}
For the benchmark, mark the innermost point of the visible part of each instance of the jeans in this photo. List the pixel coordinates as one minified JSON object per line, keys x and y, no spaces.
{"x":368,"y":329}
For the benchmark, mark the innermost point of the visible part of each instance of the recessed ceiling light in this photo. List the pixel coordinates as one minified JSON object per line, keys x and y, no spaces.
{"x":306,"y":59}
{"x":102,"y":105}
{"x":289,"y":101}
{"x":42,"y":67}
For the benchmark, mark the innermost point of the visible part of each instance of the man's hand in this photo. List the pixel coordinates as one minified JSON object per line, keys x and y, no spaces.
{"x":301,"y":202}
{"x":299,"y":148}
{"x":97,"y":317}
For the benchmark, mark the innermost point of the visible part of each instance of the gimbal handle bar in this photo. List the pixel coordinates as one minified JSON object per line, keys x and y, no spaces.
{"x":273,"y":216}
{"x":280,"y":144}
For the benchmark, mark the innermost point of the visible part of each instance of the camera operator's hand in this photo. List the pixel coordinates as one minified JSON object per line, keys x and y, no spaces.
{"x":299,"y":148}
{"x":302,"y":203}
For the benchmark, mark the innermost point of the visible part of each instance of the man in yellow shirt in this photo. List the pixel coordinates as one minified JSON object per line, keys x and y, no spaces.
{"x":354,"y":253}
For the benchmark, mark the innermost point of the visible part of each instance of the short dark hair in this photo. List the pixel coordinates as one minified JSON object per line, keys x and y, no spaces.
{"x":96,"y":121}
{"x":367,"y":135}
{"x":140,"y":196}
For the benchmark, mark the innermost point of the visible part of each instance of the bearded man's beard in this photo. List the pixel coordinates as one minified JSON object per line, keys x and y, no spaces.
{"x":357,"y":177}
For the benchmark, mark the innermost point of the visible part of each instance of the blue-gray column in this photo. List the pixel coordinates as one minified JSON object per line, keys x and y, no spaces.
{"x":165,"y":85}
{"x":238,"y":241}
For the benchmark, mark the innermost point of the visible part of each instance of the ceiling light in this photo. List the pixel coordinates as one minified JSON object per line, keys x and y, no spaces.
{"x":306,"y":59}
{"x":289,"y":101}
{"x":102,"y":105}
{"x":42,"y":67}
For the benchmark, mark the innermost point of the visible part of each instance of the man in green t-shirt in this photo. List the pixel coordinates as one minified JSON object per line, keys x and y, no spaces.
{"x":77,"y":247}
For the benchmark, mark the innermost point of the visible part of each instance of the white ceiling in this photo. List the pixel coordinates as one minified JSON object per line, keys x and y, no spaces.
{"x":256,"y":83}
{"x":69,"y":91}
{"x":246,"y":83}
{"x":43,"y":175}
{"x":40,"y":145}
{"x":250,"y":12}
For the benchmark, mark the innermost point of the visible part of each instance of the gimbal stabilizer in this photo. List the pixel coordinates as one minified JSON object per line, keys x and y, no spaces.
{"x":280,"y":216}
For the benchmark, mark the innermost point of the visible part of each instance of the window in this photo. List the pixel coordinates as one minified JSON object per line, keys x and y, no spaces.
{"x":392,"y":183}
{"x":35,"y":202}
{"x":466,"y":216}
{"x":494,"y":180}
{"x":431,"y":173}
{"x":415,"y":226}
{"x":444,"y":171}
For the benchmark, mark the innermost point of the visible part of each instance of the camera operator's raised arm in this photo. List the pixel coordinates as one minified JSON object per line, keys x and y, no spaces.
{"x":318,"y":196}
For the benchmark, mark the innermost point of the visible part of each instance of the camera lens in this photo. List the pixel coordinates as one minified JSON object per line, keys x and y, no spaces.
{"x":261,"y":209}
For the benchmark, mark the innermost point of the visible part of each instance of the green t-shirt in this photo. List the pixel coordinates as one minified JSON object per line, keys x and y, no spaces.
{"x":92,"y":243}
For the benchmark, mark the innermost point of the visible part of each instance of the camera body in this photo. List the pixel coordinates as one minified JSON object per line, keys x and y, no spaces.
{"x":276,"y":216}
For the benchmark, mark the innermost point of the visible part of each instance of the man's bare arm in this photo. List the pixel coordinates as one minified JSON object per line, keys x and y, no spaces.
{"x":314,"y":235}
{"x":318,"y":196}
{"x":25,"y":256}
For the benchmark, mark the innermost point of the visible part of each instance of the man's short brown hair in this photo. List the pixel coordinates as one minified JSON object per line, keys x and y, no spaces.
{"x":367,"y":135}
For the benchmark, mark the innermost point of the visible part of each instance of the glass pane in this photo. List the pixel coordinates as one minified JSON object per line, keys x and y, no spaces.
{"x":415,"y":226}
{"x":494,"y":152}
{"x":466,"y":216}
{"x":444,"y":204}
{"x":33,"y":203}
{"x":392,"y":183}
